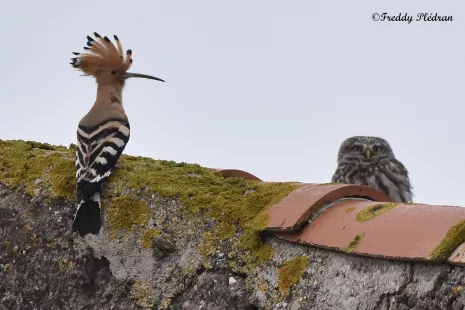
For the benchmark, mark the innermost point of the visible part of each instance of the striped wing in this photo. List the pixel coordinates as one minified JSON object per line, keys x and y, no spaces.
{"x":99,"y":148}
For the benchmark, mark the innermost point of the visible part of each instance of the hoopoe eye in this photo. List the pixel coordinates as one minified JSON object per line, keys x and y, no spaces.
{"x":113,"y":72}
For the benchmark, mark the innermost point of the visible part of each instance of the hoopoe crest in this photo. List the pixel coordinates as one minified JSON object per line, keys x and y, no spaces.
{"x":104,"y":131}
{"x":103,"y":58}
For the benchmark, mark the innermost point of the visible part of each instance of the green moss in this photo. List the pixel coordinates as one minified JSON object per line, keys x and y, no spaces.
{"x":146,"y":239}
{"x":43,"y":146}
{"x":233,"y":204}
{"x":31,"y":165}
{"x":250,"y":248}
{"x":354,"y":243}
{"x":73,"y":147}
{"x":62,"y":183}
{"x":348,"y":210}
{"x":454,"y":237}
{"x":291,"y":272}
{"x":374,"y":210}
{"x":125,"y":213}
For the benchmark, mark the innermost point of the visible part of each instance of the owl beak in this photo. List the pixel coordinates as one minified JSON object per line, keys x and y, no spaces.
{"x":368,"y":154}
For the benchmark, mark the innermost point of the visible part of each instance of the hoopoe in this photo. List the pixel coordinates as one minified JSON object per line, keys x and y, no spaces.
{"x":103,"y":132}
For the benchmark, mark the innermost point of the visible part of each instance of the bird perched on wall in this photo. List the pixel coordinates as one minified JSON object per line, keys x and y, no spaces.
{"x":104,"y":131}
{"x":370,"y":161}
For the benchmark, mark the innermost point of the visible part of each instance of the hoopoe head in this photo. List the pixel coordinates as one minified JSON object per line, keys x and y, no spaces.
{"x":107,"y":63}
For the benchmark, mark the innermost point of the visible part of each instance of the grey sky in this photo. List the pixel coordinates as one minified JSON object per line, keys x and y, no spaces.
{"x":270,"y":87}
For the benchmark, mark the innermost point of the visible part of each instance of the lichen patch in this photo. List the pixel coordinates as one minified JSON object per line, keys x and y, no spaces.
{"x":142,"y":293}
{"x":354,"y":243}
{"x":457,"y":290}
{"x":348,"y":210}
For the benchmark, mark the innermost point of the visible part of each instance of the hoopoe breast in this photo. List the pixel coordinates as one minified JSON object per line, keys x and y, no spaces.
{"x":99,"y":148}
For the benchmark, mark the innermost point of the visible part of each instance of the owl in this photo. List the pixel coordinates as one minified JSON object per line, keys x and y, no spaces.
{"x":370,"y":161}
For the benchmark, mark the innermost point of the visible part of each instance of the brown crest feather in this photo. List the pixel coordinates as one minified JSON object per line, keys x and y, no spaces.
{"x":97,"y":48}
{"x":112,"y":49}
{"x":120,"y":47}
{"x":128,"y":60}
{"x":102,"y":54}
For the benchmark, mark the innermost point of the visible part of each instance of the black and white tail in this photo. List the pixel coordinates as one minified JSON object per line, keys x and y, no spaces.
{"x":98,"y":149}
{"x":88,"y":217}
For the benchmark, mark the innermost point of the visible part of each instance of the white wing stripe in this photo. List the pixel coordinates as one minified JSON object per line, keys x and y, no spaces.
{"x":110,"y":150}
{"x":124,"y":130}
{"x":101,"y":160}
{"x":99,"y":177}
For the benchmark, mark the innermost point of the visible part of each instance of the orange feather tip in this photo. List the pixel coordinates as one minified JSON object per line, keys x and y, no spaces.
{"x":102,"y":54}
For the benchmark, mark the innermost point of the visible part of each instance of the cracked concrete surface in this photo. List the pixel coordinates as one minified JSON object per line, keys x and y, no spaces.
{"x":335,"y":280}
{"x":44,"y":266}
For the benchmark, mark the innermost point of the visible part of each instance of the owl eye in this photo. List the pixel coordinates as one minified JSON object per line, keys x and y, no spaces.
{"x":377,"y":148}
{"x":357,"y":148}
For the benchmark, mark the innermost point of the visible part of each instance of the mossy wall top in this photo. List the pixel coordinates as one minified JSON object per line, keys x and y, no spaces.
{"x":49,"y":171}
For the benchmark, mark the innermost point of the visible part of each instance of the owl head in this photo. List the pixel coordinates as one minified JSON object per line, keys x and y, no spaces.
{"x":364,"y":149}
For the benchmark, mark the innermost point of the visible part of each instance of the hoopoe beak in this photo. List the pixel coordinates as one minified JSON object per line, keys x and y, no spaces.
{"x":368,"y":154}
{"x":138,"y":75}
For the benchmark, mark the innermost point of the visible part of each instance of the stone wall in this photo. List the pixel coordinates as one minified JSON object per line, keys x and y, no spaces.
{"x":44,"y":266}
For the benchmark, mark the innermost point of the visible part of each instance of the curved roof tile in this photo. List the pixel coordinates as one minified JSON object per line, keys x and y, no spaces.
{"x":237,"y":174}
{"x":388,"y":230}
{"x":291,"y":212}
{"x":458,"y":256}
{"x":364,"y":221}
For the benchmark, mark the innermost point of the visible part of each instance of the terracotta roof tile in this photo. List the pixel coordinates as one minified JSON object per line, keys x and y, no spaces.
{"x":388,"y":230}
{"x":299,"y":205}
{"x":364,"y":221}
{"x":237,"y":174}
{"x":458,"y":256}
